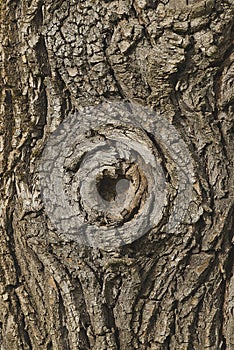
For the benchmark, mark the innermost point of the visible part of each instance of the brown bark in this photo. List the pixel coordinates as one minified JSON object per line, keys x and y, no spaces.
{"x":165,"y":290}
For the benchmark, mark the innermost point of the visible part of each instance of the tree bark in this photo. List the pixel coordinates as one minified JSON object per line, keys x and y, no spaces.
{"x":171,"y":62}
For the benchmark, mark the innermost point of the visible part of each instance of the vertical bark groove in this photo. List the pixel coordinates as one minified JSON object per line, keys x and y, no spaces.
{"x":165,"y":290}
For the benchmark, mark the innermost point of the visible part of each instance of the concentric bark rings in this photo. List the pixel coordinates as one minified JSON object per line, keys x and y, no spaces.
{"x":109,"y":173}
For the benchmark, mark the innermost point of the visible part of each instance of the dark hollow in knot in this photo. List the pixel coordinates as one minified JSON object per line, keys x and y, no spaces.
{"x":110,"y":186}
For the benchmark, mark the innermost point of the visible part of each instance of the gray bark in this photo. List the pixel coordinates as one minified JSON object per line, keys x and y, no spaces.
{"x":167,"y":289}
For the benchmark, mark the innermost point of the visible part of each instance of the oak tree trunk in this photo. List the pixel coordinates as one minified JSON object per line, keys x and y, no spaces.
{"x":167,"y":289}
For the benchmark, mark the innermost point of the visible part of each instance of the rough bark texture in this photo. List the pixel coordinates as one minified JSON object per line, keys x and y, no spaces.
{"x":163,"y":291}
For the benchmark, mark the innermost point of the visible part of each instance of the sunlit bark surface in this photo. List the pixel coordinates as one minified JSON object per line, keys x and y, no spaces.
{"x":164,"y":290}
